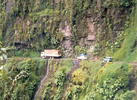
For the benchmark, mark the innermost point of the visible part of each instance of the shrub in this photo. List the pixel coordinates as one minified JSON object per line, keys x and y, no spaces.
{"x":79,"y":50}
{"x":60,"y":78}
{"x":128,"y":95}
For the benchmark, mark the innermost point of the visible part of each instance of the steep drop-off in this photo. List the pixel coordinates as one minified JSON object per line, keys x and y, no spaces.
{"x":67,"y":80}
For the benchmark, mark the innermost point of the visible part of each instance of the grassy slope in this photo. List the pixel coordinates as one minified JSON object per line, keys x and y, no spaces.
{"x":128,"y":52}
{"x":112,"y":82}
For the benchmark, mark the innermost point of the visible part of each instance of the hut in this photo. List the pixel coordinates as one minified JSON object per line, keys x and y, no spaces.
{"x":91,"y":38}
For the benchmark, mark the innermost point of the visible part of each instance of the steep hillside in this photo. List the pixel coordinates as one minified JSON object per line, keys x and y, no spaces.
{"x":67,"y":80}
{"x":64,"y":24}
{"x":128,"y":50}
{"x":20,"y":78}
{"x":96,"y":28}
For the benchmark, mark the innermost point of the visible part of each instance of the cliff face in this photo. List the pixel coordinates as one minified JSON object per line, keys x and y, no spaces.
{"x":64,"y":24}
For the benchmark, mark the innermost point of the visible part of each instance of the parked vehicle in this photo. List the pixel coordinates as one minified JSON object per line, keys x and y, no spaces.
{"x":82,"y":57}
{"x":3,"y":53}
{"x":107,"y":59}
{"x":1,"y":68}
{"x":3,"y":57}
{"x":50,"y":54}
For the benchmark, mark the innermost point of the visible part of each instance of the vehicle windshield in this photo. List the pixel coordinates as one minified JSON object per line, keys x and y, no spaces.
{"x":82,"y":55}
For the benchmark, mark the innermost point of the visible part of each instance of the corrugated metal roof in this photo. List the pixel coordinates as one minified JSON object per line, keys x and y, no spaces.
{"x":91,"y":37}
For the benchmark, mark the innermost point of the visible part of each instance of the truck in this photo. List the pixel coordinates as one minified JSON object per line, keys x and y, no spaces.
{"x":50,"y":54}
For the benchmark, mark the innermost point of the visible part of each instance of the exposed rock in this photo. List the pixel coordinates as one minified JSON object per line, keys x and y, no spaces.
{"x":82,"y":42}
{"x":28,"y":22}
{"x":91,"y":26}
{"x":91,"y":38}
{"x":16,"y":36}
{"x":9,"y":4}
{"x":67,"y":44}
{"x":66,"y":30}
{"x":57,"y":1}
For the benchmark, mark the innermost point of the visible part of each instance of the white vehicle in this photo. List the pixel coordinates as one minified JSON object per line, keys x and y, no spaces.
{"x":3,"y":57}
{"x":1,"y":70}
{"x":42,"y":55}
{"x":107,"y":59}
{"x":50,"y":53}
{"x":82,"y":57}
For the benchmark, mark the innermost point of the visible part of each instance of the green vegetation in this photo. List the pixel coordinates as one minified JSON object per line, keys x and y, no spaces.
{"x":46,"y":12}
{"x":27,"y":53}
{"x":70,"y":84}
{"x":128,"y":50}
{"x":20,"y":78}
{"x":89,"y":81}
{"x":30,"y":26}
{"x":112,"y":82}
{"x":55,"y":85}
{"x":36,"y":24}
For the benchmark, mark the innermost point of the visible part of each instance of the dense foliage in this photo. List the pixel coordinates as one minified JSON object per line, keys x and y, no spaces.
{"x":30,"y":26}
{"x":20,"y":78}
{"x":113,"y":82}
{"x":35,"y":24}
{"x":90,"y":81}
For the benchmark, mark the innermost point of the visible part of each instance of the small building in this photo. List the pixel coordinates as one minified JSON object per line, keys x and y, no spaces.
{"x":51,"y":53}
{"x":91,"y":38}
